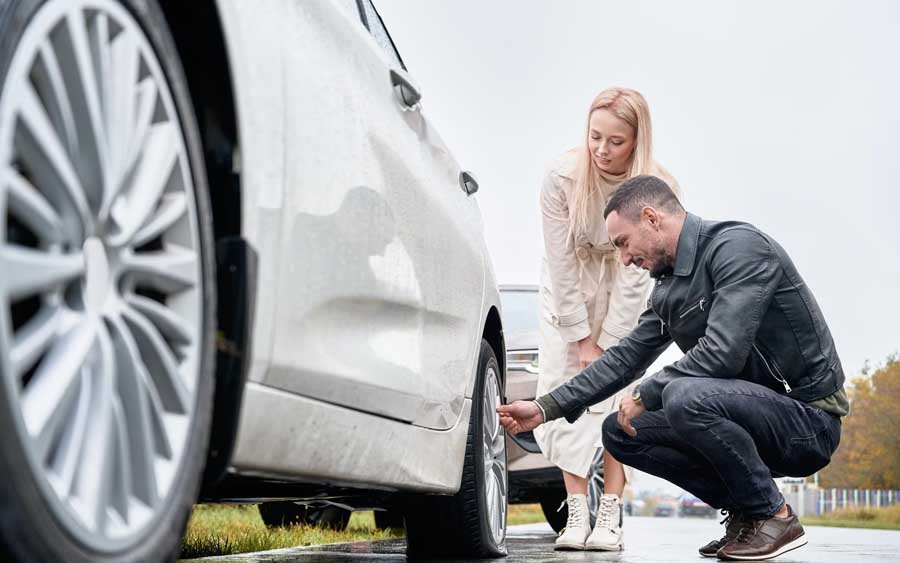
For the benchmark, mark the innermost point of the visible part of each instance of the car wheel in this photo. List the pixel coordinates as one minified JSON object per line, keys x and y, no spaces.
{"x":107,"y":302}
{"x":471,"y":523}
{"x":595,"y":485}
{"x":553,"y":504}
{"x":276,"y":514}
{"x":386,"y":519}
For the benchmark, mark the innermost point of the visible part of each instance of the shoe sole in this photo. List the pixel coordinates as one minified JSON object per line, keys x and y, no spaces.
{"x":568,"y":547}
{"x":604,"y":547}
{"x":707,"y":555}
{"x":797,"y":543}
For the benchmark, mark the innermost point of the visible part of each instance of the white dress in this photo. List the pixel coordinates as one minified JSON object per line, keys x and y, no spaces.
{"x":585,"y":290}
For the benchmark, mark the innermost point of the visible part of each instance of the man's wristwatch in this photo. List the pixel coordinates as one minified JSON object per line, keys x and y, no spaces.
{"x":636,"y":394}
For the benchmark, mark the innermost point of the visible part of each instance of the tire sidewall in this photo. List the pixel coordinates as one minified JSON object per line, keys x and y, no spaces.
{"x":554,"y":509}
{"x":31,"y":531}
{"x":486,"y":360}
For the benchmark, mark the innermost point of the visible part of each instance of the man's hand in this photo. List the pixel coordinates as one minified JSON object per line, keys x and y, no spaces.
{"x":588,"y":352}
{"x":628,"y":411}
{"x":520,"y":416}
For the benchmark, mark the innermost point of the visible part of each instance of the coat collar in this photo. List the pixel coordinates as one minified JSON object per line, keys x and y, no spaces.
{"x":688,"y":241}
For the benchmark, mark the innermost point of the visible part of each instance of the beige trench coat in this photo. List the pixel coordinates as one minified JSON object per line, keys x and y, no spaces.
{"x":585,"y":291}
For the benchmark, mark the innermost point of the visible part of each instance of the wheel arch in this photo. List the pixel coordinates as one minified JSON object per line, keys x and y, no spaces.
{"x":493,"y":333}
{"x":199,"y":39}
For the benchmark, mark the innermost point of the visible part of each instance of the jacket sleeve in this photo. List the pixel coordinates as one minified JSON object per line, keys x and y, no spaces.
{"x":745,"y":271}
{"x":615,"y":369}
{"x":626,"y":301}
{"x":570,"y":315}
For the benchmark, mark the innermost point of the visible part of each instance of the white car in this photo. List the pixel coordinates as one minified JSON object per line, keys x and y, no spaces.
{"x":231,"y":239}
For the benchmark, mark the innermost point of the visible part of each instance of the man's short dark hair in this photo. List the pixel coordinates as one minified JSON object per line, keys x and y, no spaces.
{"x":639,"y":192}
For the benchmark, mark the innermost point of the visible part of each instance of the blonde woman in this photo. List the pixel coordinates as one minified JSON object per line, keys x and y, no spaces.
{"x":589,"y":299}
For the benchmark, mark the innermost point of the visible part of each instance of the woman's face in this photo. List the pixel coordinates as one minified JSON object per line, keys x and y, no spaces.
{"x":611,"y":141}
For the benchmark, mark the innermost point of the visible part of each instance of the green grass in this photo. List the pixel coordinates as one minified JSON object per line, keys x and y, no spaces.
{"x":877,"y":518}
{"x":225,"y":529}
{"x":524,"y":514}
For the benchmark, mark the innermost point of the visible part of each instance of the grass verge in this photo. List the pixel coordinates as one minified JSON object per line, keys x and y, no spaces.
{"x":226,"y":529}
{"x":524,"y":514}
{"x":876,"y":518}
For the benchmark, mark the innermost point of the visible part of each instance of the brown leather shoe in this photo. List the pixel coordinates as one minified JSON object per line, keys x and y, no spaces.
{"x":765,"y":539}
{"x":733,"y":524}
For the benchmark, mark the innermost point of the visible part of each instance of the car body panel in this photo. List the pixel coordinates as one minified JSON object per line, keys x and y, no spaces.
{"x":374,"y":281}
{"x":304,"y":439}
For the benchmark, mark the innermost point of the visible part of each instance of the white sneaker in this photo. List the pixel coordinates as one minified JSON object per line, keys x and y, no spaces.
{"x":607,"y":534}
{"x":578,"y":525}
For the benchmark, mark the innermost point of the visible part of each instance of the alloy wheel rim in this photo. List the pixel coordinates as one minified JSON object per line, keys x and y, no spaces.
{"x":101,"y":303}
{"x":494,"y":450}
{"x":595,"y":484}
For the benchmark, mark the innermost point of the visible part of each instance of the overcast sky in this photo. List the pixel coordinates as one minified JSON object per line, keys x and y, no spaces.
{"x":782,"y":114}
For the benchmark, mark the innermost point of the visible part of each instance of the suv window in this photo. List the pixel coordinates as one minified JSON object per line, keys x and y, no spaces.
{"x":382,"y":37}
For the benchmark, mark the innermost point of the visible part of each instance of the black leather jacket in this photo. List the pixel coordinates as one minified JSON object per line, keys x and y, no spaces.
{"x":737,"y":307}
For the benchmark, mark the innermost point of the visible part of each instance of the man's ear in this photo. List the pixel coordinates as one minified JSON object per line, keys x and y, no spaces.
{"x":651,"y":216}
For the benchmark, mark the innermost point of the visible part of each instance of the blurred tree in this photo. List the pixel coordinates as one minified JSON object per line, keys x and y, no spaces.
{"x":869,"y":453}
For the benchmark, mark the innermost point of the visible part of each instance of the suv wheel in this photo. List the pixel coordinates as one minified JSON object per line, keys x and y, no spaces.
{"x":595,"y":485}
{"x":471,"y":523}
{"x":107,"y":302}
{"x":388,"y":519}
{"x":276,"y":514}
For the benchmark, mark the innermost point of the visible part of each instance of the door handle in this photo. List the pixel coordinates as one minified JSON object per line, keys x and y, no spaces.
{"x":407,"y":93}
{"x":467,"y":182}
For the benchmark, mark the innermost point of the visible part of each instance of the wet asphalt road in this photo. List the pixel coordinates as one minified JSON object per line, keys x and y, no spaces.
{"x":647,"y":540}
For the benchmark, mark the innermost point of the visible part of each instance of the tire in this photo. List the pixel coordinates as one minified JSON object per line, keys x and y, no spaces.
{"x":387,"y":519}
{"x":277,"y":514}
{"x":111,"y":472}
{"x":595,"y":485}
{"x":462,"y":525}
{"x":554,"y":508}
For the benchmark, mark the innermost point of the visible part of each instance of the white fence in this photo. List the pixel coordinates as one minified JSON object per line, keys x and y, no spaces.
{"x":809,"y":500}
{"x":839,"y":499}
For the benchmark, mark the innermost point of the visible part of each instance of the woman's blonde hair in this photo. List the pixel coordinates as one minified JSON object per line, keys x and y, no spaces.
{"x":630,"y":106}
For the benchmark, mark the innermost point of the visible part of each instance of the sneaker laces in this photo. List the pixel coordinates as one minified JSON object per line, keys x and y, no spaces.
{"x":728,"y":516}
{"x":576,"y":518}
{"x":731,"y":517}
{"x":605,"y":512}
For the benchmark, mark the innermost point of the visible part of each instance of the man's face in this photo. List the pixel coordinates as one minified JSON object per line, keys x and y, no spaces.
{"x":640,"y":242}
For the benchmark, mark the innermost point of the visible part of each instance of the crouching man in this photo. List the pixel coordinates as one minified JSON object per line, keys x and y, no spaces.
{"x":758,"y":394}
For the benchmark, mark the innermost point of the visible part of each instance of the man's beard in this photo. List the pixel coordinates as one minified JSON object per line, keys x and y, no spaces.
{"x":663,"y":266}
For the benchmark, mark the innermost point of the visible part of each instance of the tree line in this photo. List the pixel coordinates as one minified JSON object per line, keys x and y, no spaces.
{"x":869,"y":453}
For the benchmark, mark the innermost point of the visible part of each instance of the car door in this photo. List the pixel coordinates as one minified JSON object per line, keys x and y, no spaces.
{"x":445,"y":236}
{"x":367,"y":223}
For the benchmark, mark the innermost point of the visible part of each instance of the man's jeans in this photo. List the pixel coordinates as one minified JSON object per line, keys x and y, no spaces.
{"x":724,"y":439}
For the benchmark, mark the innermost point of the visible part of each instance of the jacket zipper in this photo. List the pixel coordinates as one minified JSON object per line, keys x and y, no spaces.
{"x":693,"y":307}
{"x":662,"y":323}
{"x":780,"y":378}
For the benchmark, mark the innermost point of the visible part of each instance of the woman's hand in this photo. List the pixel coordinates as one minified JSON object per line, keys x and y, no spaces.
{"x":588,"y":352}
{"x":520,"y":416}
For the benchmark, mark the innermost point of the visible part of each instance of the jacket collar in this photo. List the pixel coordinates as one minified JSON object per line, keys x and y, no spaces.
{"x":688,"y":241}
